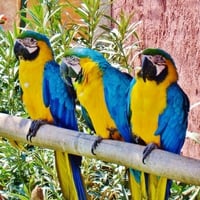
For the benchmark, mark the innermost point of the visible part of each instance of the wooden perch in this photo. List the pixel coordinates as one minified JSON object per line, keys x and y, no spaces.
{"x":159,"y":162}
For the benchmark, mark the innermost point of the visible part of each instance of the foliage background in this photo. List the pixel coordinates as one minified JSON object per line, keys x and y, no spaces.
{"x":21,"y":171}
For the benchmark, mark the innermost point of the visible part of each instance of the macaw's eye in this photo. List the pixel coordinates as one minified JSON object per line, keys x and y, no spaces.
{"x":160,"y":64}
{"x":72,"y":61}
{"x":30,"y":42}
{"x":159,"y":60}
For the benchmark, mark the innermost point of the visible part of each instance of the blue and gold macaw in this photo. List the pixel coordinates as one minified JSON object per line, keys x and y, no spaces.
{"x":158,"y":116}
{"x":102,"y":91}
{"x":48,"y":99}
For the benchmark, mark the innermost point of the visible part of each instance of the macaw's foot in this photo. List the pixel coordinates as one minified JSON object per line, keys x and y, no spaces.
{"x":148,"y":149}
{"x":95,"y":144}
{"x":35,"y":125}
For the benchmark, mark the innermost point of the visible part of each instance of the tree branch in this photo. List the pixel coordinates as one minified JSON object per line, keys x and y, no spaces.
{"x":159,"y":162}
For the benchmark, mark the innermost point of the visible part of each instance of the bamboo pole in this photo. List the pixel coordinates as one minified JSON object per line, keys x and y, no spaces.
{"x":159,"y":162}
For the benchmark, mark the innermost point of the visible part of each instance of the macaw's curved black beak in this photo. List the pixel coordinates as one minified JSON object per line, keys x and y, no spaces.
{"x":148,"y":70}
{"x":18,"y":49}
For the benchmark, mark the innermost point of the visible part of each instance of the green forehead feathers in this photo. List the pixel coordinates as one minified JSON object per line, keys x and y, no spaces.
{"x":157,"y":51}
{"x":35,"y":35}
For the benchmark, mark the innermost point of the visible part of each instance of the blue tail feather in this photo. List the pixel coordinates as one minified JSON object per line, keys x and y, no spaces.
{"x":75,"y":162}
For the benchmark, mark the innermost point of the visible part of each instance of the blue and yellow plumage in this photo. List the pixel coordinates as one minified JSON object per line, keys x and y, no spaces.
{"x":158,"y":115}
{"x":102,"y":91}
{"x":47,"y":97}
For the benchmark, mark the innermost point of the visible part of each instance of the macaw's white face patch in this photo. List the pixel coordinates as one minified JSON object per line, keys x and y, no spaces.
{"x":73,"y":62}
{"x":29,"y":43}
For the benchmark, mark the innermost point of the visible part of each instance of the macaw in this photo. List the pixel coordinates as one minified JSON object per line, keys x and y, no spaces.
{"x":158,"y":110}
{"x":102,"y":91}
{"x":47,"y":98}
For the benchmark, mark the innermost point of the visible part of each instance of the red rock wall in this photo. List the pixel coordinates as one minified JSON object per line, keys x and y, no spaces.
{"x":175,"y":27}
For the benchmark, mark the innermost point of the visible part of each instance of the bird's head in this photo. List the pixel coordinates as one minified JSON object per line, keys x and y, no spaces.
{"x":157,"y":65}
{"x":29,"y":45}
{"x":70,"y":67}
{"x":80,"y":61}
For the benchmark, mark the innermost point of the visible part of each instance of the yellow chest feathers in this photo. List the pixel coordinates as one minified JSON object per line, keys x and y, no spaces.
{"x":30,"y":77}
{"x":148,"y":100}
{"x":90,"y":93}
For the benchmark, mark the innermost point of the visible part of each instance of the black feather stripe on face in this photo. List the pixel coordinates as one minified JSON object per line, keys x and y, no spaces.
{"x":161,"y":77}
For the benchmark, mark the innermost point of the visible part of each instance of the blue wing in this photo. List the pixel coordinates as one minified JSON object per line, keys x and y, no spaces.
{"x":173,"y":122}
{"x":116,"y":85}
{"x":59,"y":97}
{"x":133,"y":81}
